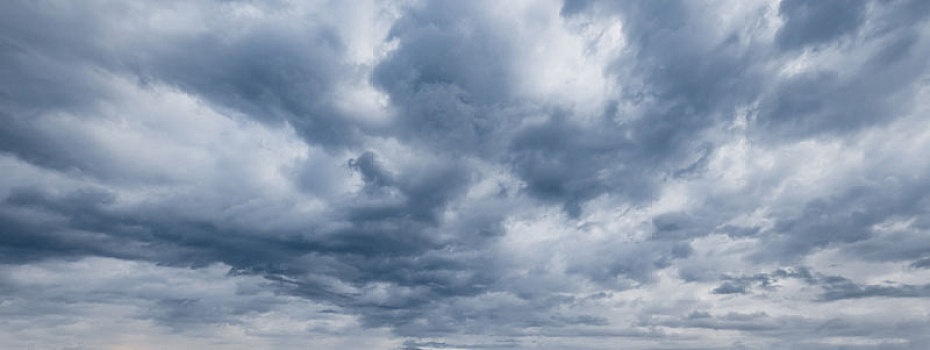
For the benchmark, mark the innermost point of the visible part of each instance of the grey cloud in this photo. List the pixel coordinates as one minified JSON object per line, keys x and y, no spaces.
{"x":896,"y":246}
{"x":845,"y":218}
{"x":266,"y":70}
{"x":839,"y":288}
{"x":679,"y":82}
{"x":730,"y":288}
{"x":876,"y":89}
{"x":449,"y":77}
{"x":470,"y":208}
{"x":785,"y":330}
{"x":765,"y":281}
{"x":559,"y":161}
{"x":415,"y":345}
{"x":809,"y":23}
{"x":677,"y":225}
{"x":921,"y":264}
{"x":832,"y":287}
{"x":733,"y":320}
{"x":269,"y":73}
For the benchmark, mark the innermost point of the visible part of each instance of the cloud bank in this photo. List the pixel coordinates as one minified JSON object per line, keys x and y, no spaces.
{"x":465,"y":174}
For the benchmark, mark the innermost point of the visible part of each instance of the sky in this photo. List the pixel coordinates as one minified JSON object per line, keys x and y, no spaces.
{"x":409,"y":174}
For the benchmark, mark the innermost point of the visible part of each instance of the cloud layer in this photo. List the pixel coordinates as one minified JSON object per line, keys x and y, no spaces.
{"x":465,"y":174}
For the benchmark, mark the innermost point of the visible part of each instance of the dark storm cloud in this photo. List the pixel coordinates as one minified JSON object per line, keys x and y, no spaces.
{"x":447,"y":45}
{"x":394,"y":228}
{"x":825,"y":102}
{"x":563,"y":162}
{"x":808,"y":23}
{"x":270,"y":73}
{"x":682,"y":84}
{"x":464,"y":205}
{"x":266,"y":70}
{"x":448,"y":76}
{"x":458,"y":104}
{"x":389,"y":245}
{"x":80,"y":223}
{"x":876,"y":89}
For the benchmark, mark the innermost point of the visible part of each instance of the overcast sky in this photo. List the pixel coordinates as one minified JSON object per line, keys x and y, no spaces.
{"x":465,"y":174}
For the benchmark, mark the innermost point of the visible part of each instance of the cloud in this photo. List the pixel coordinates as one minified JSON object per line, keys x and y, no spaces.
{"x":429,"y":174}
{"x":808,"y":23}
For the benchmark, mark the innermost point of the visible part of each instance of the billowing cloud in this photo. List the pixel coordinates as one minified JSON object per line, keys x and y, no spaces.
{"x":437,"y":174}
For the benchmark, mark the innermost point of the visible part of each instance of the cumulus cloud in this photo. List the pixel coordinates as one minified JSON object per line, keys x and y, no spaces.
{"x":437,"y":174}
